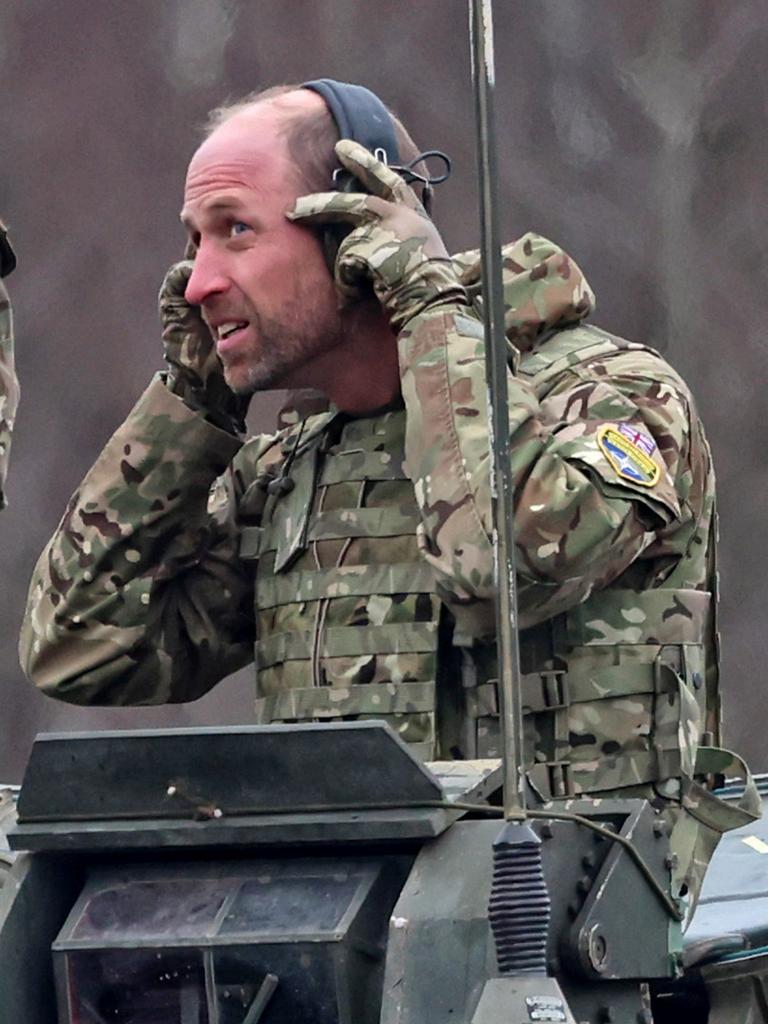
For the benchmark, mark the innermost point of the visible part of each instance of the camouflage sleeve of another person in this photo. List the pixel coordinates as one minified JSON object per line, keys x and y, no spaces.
{"x":579,"y":523}
{"x":9,"y":385}
{"x":139,"y":597}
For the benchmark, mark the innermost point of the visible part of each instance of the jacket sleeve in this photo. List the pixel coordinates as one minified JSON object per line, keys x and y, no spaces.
{"x":9,"y":388}
{"x":139,"y":597}
{"x":579,"y":521}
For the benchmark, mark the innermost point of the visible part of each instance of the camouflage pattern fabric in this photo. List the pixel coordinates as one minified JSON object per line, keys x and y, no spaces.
{"x":9,"y":384}
{"x":146,"y":592}
{"x":346,"y":611}
{"x":393,"y":245}
{"x":195,"y":372}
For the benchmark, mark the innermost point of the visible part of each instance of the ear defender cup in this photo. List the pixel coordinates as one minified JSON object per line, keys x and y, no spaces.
{"x":361,"y":116}
{"x":332,"y":235}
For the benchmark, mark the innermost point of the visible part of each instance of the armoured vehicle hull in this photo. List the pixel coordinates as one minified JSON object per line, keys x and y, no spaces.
{"x":322,"y":873}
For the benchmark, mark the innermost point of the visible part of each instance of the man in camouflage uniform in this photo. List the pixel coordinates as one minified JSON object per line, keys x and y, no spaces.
{"x":350,"y":553}
{"x":9,"y":385}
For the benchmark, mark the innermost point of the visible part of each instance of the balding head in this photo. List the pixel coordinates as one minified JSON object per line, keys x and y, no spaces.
{"x":272,"y":115}
{"x":286,"y":101}
{"x":300,"y":117}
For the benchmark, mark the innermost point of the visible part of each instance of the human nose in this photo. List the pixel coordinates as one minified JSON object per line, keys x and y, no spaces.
{"x":207,"y":277}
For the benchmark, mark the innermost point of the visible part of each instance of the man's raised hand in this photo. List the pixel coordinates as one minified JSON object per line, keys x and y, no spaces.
{"x":393,"y":245}
{"x":195,"y":372}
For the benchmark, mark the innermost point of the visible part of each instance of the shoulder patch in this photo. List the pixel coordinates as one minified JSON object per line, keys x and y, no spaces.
{"x":630,"y":453}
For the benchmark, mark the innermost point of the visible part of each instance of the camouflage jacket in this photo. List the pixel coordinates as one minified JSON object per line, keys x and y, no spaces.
{"x":9,"y":385}
{"x":140,"y":597}
{"x":147,"y":592}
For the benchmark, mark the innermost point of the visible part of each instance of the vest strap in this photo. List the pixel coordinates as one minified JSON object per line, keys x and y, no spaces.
{"x":552,"y":780}
{"x":287,"y":534}
{"x":668,"y":758}
{"x":250,"y":541}
{"x":348,"y":524}
{"x":556,"y":779}
{"x":343,"y":467}
{"x":346,"y":581}
{"x":324,"y":702}
{"x":364,"y":522}
{"x":337,"y":525}
{"x":347,"y":641}
{"x":556,"y":689}
{"x":712,"y":810}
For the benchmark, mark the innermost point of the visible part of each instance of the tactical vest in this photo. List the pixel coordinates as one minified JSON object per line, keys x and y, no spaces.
{"x":347,"y":612}
{"x":618,"y":692}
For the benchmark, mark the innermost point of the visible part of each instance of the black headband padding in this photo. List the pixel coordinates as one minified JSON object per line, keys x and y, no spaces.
{"x":359,"y":114}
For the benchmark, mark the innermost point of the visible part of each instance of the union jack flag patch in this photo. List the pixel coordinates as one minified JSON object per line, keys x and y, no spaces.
{"x":629,"y":452}
{"x":637,"y":437}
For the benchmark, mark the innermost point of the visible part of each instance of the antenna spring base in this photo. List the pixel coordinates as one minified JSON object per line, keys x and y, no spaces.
{"x":519,"y":906}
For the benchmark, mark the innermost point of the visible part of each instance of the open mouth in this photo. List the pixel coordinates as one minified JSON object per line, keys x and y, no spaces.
{"x":225,"y":330}
{"x":228,"y":334}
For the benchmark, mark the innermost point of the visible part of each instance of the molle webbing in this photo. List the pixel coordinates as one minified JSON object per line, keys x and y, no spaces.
{"x":558,"y":779}
{"x":347,"y":609}
{"x":555,"y":693}
{"x":345,"y":581}
{"x":395,"y":701}
{"x":364,"y":466}
{"x":348,"y":623}
{"x":325,"y":702}
{"x":348,"y":641}
{"x":338,"y":525}
{"x":341,"y":524}
{"x":551,"y":690}
{"x":620,"y":649}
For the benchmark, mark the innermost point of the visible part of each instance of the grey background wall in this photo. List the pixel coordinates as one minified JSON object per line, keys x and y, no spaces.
{"x":632,"y":133}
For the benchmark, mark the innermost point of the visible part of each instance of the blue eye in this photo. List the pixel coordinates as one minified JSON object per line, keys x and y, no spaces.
{"x":238,"y":227}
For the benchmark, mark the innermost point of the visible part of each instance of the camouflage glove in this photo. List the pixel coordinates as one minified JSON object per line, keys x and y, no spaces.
{"x":393,"y":246}
{"x":9,"y":383}
{"x":195,"y":372}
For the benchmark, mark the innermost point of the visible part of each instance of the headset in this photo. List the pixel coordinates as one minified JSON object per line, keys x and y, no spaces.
{"x":361,"y":116}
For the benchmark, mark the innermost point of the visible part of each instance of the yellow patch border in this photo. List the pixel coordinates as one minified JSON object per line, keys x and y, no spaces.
{"x":644,"y":462}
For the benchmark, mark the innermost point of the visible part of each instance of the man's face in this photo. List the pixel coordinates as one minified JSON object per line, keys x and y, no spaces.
{"x":261,"y":281}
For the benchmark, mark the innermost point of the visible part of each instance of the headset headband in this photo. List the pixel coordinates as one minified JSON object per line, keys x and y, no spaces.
{"x":360,"y":115}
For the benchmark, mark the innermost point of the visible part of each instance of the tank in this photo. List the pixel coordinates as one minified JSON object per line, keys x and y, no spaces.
{"x":321,"y":873}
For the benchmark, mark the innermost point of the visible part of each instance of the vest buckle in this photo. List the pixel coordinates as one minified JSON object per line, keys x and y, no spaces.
{"x":545,"y":691}
{"x":552,"y":780}
{"x":542,"y":691}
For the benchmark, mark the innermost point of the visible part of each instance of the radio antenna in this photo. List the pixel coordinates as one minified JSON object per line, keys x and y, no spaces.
{"x":519,"y":903}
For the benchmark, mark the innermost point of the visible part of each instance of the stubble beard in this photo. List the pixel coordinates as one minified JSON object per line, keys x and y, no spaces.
{"x":283,"y":347}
